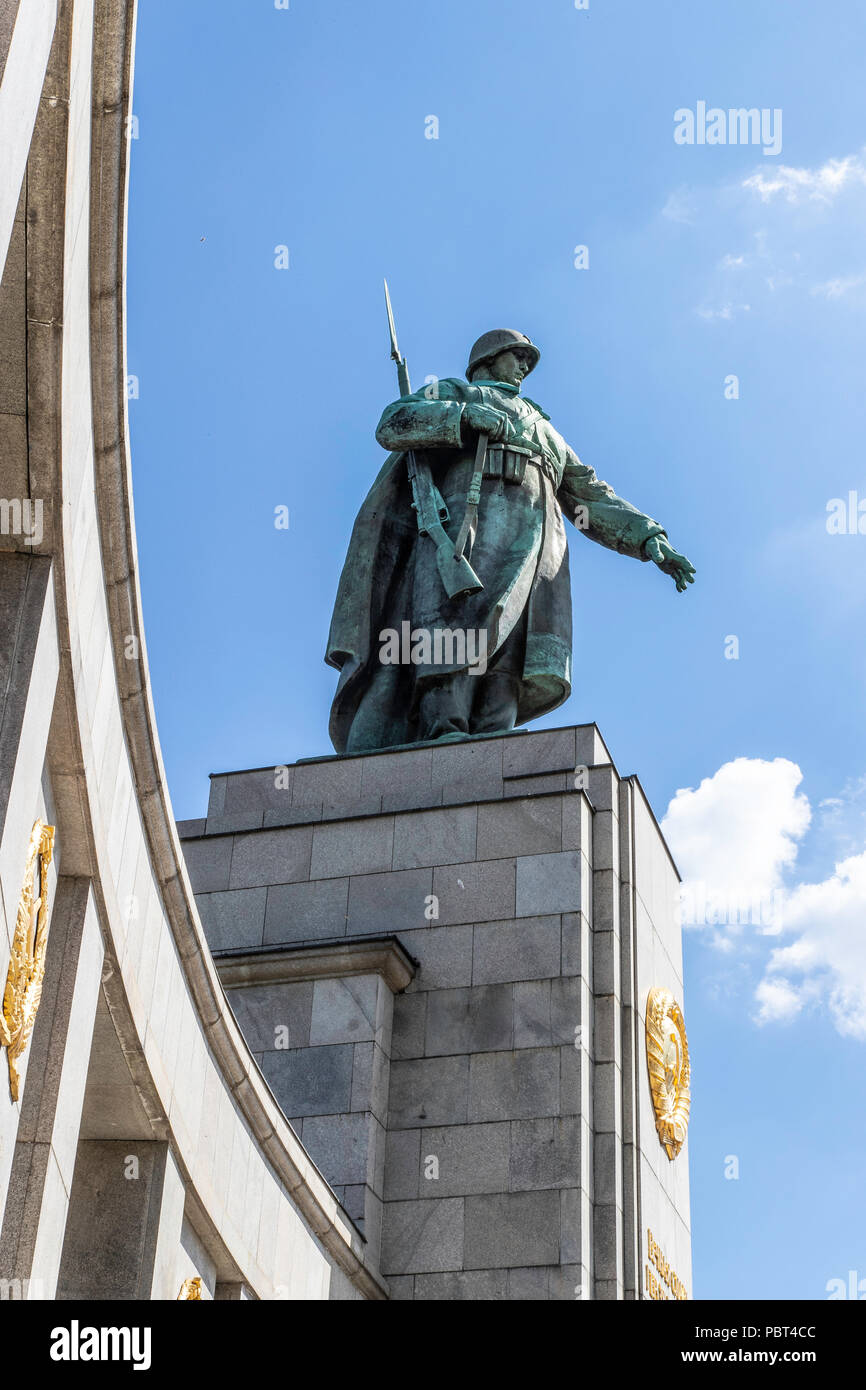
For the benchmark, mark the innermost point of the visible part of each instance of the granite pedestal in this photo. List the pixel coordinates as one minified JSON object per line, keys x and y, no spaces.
{"x":440,"y":957}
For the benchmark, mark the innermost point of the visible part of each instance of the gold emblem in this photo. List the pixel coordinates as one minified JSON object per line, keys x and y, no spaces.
{"x":27,"y":962}
{"x":667,"y":1054}
{"x":190,"y":1289}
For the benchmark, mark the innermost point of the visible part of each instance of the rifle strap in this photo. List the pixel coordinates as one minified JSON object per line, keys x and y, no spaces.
{"x":473,"y":497}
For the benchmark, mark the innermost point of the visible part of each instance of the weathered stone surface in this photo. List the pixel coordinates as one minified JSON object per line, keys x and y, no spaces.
{"x":388,"y":901}
{"x":548,"y":883}
{"x":311,"y":1081}
{"x":512,"y":1228}
{"x":513,"y":1085}
{"x":521,"y":826}
{"x":423,"y":1236}
{"x":306,"y":911}
{"x":431,"y":1091}
{"x":352,"y":847}
{"x":469,"y":1020}
{"x":525,"y":950}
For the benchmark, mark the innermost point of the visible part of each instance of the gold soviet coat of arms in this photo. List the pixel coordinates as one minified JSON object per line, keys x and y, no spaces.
{"x":27,"y":962}
{"x":667,"y":1053}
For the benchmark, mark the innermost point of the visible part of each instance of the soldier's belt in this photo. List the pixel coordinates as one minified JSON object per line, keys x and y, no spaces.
{"x":509,"y":462}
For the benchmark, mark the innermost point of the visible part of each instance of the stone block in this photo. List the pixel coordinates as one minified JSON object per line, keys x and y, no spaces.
{"x":191,"y":829}
{"x":410,"y":1019}
{"x":456,"y":766}
{"x":548,"y":883}
{"x":429,"y":1091}
{"x":576,"y":822}
{"x":256,"y":790}
{"x":513,"y":1085}
{"x":270,"y":1015}
{"x":512,"y":1228}
{"x":402,"y":775}
{"x":425,"y":838}
{"x":270,"y":856}
{"x":233,"y":919}
{"x":529,"y":1285}
{"x":468,"y":1020}
{"x":575,"y":1090}
{"x":306,"y":911}
{"x":233,"y":822}
{"x":208,"y":863}
{"x":401,"y":1288}
{"x":524,"y":950}
{"x":311,"y":1081}
{"x":332,"y":779}
{"x":518,"y":827}
{"x":577,"y":939}
{"x":547,"y":1012}
{"x":605,"y":962}
{"x":470,"y":1158}
{"x":545,"y":1153}
{"x":590,"y":747}
{"x":423,"y":1236}
{"x":607,"y":1040}
{"x":574,"y":1211}
{"x":402,"y":1164}
{"x":538,"y":786}
{"x":473,"y":1285}
{"x":353,"y":847}
{"x":370,"y":1080}
{"x":344,"y":1010}
{"x":548,"y":750}
{"x":604,"y":789}
{"x":444,"y":956}
{"x":475,"y":892}
{"x":388,"y":902}
{"x":339,"y":1145}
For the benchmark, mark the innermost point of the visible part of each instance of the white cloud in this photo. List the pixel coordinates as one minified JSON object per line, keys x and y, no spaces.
{"x":680,"y":207}
{"x":828,"y":953}
{"x":736,"y":839}
{"x":726,"y":311}
{"x":739,"y":829}
{"x":800,"y":229}
{"x":839,"y":287}
{"x":817,"y":185}
{"x":779,"y":1001}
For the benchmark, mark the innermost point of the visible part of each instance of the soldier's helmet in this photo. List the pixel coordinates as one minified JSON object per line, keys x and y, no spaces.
{"x":501,"y":340}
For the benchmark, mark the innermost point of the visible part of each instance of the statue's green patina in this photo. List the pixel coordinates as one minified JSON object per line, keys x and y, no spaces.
{"x":426,"y":652}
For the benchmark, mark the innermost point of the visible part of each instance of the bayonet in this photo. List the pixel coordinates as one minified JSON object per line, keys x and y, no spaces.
{"x":455,"y":571}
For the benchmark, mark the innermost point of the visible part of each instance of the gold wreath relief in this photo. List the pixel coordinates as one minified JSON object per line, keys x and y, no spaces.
{"x":190,"y":1289}
{"x":667,"y":1054}
{"x":27,"y":962}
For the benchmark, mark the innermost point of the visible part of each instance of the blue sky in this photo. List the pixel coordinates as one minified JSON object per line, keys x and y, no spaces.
{"x":261,"y":387}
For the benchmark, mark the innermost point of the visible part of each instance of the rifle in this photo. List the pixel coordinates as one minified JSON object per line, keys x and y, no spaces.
{"x":455,"y":571}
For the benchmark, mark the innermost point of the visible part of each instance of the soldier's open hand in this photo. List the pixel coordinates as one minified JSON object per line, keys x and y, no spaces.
{"x":661,"y":552}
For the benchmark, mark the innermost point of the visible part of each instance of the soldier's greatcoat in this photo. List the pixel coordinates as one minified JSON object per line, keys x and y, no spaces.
{"x":519,"y":553}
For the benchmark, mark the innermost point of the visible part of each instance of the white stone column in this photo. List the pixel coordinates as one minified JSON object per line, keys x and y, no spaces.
{"x":44,"y":1159}
{"x":125,"y":1219}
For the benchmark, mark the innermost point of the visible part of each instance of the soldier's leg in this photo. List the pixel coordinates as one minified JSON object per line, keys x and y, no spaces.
{"x":378,"y":722}
{"x":445,"y":705}
{"x":494,"y":709}
{"x":497,"y":692}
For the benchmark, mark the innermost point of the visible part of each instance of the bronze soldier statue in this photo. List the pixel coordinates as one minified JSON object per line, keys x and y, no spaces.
{"x":453,"y":614}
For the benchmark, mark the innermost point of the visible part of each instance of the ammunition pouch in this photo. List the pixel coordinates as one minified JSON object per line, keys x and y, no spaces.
{"x":508,"y":461}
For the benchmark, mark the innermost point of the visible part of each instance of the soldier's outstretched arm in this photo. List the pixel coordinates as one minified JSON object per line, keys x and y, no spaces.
{"x":596,"y":509}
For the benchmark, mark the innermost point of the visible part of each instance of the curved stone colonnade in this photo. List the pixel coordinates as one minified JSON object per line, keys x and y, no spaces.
{"x":145,"y":1148}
